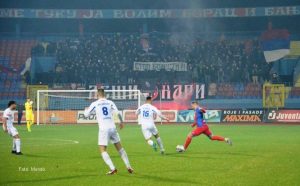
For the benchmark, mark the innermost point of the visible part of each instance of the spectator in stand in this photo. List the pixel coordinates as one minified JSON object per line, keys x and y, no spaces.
{"x":255,"y":74}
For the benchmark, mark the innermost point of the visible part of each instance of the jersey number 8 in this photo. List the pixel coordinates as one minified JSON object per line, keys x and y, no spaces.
{"x":105,"y":111}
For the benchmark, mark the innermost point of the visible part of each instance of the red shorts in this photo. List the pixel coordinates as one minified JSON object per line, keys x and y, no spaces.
{"x":201,"y":130}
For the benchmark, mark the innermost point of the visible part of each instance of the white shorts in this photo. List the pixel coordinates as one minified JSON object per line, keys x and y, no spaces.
{"x":12,"y":131}
{"x":149,"y":131}
{"x":106,"y":135}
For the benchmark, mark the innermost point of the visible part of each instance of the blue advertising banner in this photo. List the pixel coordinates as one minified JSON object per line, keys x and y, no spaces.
{"x":210,"y":116}
{"x":148,"y":13}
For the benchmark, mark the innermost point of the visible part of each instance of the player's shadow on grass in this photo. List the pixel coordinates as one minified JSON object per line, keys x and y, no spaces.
{"x":158,"y":179}
{"x":39,"y":156}
{"x":48,"y":179}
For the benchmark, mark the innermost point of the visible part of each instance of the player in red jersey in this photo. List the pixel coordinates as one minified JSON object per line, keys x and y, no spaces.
{"x":202,"y":128}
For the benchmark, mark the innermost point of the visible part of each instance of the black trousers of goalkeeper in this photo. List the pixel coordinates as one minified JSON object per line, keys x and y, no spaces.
{"x":20,"y":114}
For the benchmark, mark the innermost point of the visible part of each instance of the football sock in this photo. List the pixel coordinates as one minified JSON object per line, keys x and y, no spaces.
{"x":187,"y":142}
{"x":150,"y":142}
{"x":28,"y":126}
{"x":124,"y":157}
{"x":14,"y":145}
{"x":18,"y":145}
{"x":107,"y":160}
{"x":218,"y":138}
{"x":161,"y":146}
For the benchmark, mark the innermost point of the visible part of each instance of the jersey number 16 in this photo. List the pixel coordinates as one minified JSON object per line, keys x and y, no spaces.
{"x":145,"y":114}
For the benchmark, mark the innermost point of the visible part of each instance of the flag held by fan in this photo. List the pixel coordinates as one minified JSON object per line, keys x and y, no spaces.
{"x":275,"y":44}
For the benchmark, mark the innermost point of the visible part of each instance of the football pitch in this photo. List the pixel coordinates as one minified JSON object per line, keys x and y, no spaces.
{"x":68,"y":155}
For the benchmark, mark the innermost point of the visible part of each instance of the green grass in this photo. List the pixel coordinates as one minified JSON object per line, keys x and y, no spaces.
{"x":261,"y":155}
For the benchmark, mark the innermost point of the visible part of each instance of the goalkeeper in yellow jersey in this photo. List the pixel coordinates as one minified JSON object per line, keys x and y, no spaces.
{"x":29,"y":114}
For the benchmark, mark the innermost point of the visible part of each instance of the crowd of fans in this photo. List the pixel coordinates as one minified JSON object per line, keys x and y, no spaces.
{"x":110,"y":58}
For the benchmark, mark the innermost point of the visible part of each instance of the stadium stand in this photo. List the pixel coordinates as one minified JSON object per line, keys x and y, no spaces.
{"x":208,"y":61}
{"x":236,"y":66}
{"x":13,"y":54}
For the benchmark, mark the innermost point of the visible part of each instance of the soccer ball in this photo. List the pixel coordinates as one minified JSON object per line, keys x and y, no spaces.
{"x":179,"y":148}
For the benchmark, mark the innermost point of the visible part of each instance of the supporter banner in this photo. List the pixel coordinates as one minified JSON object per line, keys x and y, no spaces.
{"x":130,"y":116}
{"x":236,"y":115}
{"x":23,"y":120}
{"x":148,"y":13}
{"x":158,"y":66}
{"x":210,"y":116}
{"x":284,"y":116}
{"x":92,"y":118}
{"x":181,"y":94}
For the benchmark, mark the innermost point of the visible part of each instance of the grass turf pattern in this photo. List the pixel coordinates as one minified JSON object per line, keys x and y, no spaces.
{"x":68,"y":155}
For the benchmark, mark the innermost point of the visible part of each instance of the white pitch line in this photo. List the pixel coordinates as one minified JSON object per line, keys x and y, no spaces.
{"x":69,"y":142}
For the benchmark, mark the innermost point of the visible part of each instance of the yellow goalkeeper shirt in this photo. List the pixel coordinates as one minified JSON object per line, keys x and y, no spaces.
{"x":28,"y":108}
